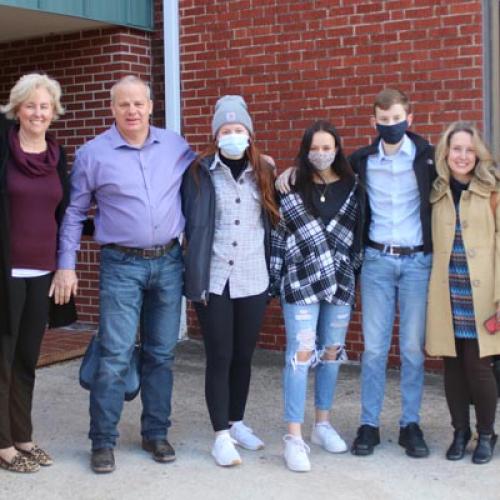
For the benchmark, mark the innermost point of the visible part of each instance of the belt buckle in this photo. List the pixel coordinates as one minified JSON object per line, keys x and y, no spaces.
{"x":392,"y":250}
{"x":149,"y":253}
{"x":157,"y":251}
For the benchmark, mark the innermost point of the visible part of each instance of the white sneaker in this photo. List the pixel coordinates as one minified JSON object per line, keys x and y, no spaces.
{"x":327,"y":437}
{"x":224,"y":452}
{"x":245,"y":437}
{"x":295,"y":454}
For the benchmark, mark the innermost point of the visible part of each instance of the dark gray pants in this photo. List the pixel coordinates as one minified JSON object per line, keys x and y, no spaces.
{"x":19,"y":355}
{"x":469,"y":378}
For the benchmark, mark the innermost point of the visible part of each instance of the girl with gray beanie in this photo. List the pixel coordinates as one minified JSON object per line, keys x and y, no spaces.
{"x":229,"y":205}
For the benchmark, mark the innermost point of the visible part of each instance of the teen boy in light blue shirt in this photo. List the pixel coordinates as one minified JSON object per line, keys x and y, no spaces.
{"x":397,"y":170}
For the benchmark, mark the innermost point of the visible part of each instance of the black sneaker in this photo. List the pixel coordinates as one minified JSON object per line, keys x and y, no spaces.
{"x":411,"y":438}
{"x":102,"y":460}
{"x":367,"y":438}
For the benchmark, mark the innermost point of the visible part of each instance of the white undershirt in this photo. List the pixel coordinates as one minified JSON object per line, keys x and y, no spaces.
{"x":28,"y":273}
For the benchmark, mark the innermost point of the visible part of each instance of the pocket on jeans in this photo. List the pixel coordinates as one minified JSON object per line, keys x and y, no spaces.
{"x":175,"y":253}
{"x":113,"y":256}
{"x":423,"y":260}
{"x":371,"y":254}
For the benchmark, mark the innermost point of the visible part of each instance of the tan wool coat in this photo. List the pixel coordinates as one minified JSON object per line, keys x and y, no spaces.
{"x":481,"y":238}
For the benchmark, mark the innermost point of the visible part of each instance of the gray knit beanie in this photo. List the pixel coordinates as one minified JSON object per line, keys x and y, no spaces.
{"x":231,"y":109}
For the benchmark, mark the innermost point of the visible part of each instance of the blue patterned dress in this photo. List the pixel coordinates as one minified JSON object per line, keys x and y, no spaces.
{"x":462,"y":306}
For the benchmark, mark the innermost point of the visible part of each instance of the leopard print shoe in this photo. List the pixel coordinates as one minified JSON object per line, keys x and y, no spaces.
{"x":38,"y":455}
{"x":20,"y":463}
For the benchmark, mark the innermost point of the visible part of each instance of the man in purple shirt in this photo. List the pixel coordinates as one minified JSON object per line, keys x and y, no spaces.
{"x":132,"y":172}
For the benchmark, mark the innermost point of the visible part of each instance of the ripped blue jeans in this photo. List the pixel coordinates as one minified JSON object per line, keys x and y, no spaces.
{"x":316,"y":332}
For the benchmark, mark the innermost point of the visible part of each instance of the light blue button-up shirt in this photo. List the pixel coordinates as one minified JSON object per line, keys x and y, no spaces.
{"x":394,"y":197}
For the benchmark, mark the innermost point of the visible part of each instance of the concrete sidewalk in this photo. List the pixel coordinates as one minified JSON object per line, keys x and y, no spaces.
{"x":61,"y":424}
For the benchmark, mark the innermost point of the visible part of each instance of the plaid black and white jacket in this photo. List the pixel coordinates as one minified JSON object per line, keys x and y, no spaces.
{"x":311,"y":262}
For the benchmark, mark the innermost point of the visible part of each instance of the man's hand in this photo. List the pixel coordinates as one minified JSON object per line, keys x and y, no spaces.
{"x":64,"y":284}
{"x":285,"y":180}
{"x":270,"y":160}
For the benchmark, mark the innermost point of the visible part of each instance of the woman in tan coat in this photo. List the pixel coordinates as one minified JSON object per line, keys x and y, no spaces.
{"x":464,"y":287}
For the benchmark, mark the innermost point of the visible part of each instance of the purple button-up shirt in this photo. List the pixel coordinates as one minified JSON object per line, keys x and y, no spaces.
{"x":136,"y":190}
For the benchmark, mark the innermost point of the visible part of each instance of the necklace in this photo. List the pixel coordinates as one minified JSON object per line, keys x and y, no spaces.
{"x":32,"y":146}
{"x":322,"y":192}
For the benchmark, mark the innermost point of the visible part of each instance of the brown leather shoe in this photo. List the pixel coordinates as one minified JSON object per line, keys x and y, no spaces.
{"x":102,"y":460}
{"x":160,"y":448}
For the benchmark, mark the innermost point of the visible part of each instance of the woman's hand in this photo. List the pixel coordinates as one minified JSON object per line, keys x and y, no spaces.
{"x":286,"y":180}
{"x":64,"y":284}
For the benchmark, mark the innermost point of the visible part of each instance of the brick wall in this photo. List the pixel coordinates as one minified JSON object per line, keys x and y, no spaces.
{"x":86,"y":64}
{"x":295,"y":61}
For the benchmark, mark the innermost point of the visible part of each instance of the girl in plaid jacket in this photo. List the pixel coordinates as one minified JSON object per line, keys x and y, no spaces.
{"x":315,"y":253}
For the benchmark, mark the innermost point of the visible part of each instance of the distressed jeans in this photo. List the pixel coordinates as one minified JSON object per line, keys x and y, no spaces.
{"x":388,"y":281}
{"x":134,"y":289}
{"x":313,"y":328}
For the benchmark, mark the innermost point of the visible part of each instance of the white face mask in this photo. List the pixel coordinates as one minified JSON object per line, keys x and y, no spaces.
{"x":233,"y":146}
{"x":320,"y":160}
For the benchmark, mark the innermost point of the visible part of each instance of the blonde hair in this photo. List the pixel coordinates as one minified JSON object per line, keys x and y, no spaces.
{"x":485,"y":171}
{"x":23,"y":88}
{"x":130,"y":79}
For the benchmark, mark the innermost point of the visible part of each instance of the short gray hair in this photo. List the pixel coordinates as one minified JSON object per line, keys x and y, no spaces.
{"x":23,"y":88}
{"x":130,"y":79}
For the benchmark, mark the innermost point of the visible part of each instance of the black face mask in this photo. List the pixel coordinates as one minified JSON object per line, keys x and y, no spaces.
{"x":392,"y":134}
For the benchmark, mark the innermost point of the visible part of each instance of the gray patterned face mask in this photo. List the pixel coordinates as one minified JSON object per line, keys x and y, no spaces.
{"x":321,"y":160}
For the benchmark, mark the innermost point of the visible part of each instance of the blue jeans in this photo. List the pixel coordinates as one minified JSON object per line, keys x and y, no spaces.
{"x":136,"y":290}
{"x":387,"y":280}
{"x":314,"y":328}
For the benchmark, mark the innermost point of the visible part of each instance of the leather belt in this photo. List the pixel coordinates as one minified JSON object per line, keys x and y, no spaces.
{"x":394,"y":249}
{"x":145,"y":253}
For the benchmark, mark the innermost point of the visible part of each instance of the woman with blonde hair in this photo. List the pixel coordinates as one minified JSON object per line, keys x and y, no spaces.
{"x":464,"y":289}
{"x":33,"y":197}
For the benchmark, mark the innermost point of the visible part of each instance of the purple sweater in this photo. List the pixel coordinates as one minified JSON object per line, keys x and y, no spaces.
{"x":33,"y":199}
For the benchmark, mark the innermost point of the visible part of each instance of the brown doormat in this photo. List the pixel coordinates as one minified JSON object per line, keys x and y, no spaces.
{"x":63,"y":344}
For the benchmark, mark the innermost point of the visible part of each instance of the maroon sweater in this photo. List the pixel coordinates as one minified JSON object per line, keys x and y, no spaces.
{"x":34,"y":191}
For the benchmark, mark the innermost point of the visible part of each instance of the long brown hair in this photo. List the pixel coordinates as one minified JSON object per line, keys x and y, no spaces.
{"x":304,"y":183}
{"x":264,"y":173}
